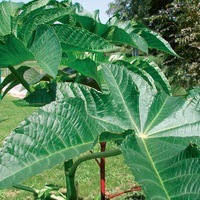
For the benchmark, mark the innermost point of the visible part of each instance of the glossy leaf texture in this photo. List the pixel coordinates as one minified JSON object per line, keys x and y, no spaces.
{"x":72,"y":124}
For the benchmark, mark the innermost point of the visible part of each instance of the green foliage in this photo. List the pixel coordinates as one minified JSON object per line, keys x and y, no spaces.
{"x":178,"y":22}
{"x":130,"y":102}
{"x":155,"y":123}
{"x":49,"y":35}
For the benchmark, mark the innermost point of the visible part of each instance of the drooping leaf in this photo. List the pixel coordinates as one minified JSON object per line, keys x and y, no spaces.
{"x":86,"y":67}
{"x":47,"y":50}
{"x":155,"y":41}
{"x":7,"y":11}
{"x":11,"y":81}
{"x":74,"y":38}
{"x":13,"y":52}
{"x":152,"y":39}
{"x":113,"y":33}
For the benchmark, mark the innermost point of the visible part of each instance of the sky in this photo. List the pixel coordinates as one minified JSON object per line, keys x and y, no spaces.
{"x":89,"y":5}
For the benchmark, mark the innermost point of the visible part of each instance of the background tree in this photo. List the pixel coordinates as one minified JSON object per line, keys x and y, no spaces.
{"x":179,"y":23}
{"x":139,"y":10}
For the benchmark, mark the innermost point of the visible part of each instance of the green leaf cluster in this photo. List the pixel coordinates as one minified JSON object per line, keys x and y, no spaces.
{"x":97,"y":91}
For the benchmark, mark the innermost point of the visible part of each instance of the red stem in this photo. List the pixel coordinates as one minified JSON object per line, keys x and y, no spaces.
{"x":102,"y":172}
{"x":111,"y":196}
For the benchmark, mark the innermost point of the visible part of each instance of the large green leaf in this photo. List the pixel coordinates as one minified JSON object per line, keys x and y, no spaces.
{"x":166,"y":167}
{"x":163,"y":127}
{"x":42,"y":142}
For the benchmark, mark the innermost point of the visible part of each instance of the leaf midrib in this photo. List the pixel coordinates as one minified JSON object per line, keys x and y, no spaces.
{"x":154,"y":167}
{"x":124,"y":103}
{"x":156,"y":116}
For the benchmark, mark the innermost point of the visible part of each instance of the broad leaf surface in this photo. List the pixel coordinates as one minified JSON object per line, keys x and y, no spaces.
{"x":166,"y":167}
{"x":47,"y":50}
{"x":45,"y":139}
{"x":155,"y":41}
{"x":154,"y":71}
{"x":162,"y":124}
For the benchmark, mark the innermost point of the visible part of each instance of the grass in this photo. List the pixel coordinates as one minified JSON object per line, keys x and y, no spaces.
{"x":118,"y":175}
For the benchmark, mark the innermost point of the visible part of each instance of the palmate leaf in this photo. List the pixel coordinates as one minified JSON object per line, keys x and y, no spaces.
{"x":163,"y":126}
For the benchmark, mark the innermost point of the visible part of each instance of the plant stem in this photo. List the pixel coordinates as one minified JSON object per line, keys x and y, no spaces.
{"x":105,"y":154}
{"x":70,"y":170}
{"x":102,"y":172}
{"x":70,"y":181}
{"x":21,"y":79}
{"x":28,"y":189}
